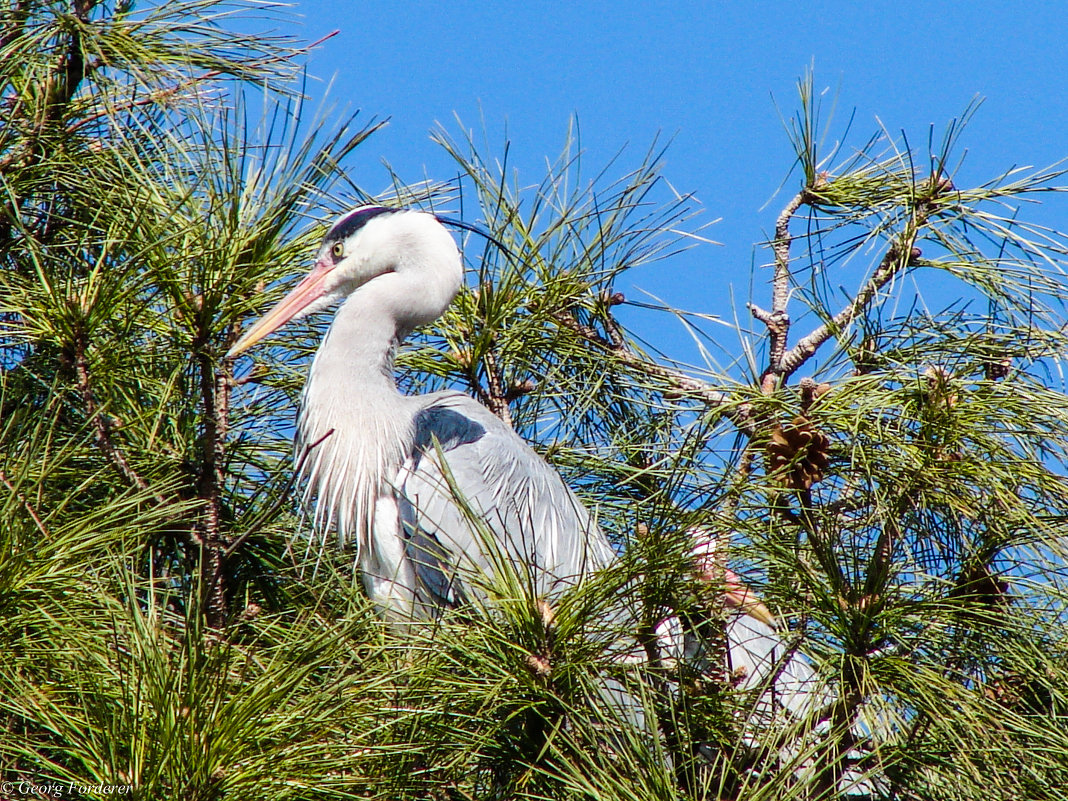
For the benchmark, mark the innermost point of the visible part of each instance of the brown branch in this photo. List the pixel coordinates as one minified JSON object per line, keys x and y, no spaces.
{"x":848,"y":504}
{"x":58,"y":89}
{"x":890,"y":537}
{"x":780,"y":283}
{"x":833,"y":753}
{"x":519,"y":389}
{"x":777,"y":321}
{"x":29,"y":507}
{"x":822,"y":547}
{"x":495,"y":395}
{"x":899,"y":256}
{"x":729,"y":503}
{"x":760,"y":313}
{"x":611,"y":325}
{"x":102,"y":425}
{"x":215,"y":395}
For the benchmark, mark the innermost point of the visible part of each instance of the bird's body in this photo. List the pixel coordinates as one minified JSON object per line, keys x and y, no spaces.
{"x":449,"y":476}
{"x":424,"y":487}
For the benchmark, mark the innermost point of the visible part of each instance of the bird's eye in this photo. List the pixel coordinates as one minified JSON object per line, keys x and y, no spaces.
{"x":338,"y":250}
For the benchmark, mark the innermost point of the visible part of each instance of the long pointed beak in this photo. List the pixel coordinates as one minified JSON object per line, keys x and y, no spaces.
{"x":300,"y":297}
{"x":737,"y":596}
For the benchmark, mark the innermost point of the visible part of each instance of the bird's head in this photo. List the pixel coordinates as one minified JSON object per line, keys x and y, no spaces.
{"x":408,"y":254}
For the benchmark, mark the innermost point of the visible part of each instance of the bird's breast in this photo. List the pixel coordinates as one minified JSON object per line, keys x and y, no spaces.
{"x":349,"y":450}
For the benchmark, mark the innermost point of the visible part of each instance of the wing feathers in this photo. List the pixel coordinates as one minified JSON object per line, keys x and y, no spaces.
{"x":472,"y":487}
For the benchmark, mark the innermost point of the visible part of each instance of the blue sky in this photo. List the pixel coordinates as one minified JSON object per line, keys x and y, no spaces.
{"x":714,"y":76}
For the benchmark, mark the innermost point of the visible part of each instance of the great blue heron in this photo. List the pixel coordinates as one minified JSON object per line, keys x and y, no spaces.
{"x":387,"y":469}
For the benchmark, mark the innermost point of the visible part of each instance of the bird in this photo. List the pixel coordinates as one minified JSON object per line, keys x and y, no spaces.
{"x":433,"y":489}
{"x":756,"y":649}
{"x":387,"y":468}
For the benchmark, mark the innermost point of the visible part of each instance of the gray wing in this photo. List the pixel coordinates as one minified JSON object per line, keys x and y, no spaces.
{"x":474,"y":493}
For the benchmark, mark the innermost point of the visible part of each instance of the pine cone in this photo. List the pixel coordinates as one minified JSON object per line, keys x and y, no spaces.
{"x":797,"y":454}
{"x":939,"y":386}
{"x":979,"y":585}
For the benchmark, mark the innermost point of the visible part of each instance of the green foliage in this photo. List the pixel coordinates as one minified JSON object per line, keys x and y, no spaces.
{"x":883,"y":459}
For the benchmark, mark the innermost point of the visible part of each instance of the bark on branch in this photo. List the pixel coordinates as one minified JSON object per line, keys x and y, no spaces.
{"x":495,"y":394}
{"x":899,"y":256}
{"x":215,"y":393}
{"x":778,"y":321}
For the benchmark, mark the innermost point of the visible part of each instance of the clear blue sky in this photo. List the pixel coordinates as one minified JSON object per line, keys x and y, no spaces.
{"x":704,"y":73}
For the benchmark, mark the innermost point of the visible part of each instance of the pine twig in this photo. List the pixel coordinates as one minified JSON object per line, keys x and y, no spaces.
{"x":495,"y":395}
{"x":780,"y":283}
{"x":899,"y":256}
{"x":680,"y":382}
{"x":102,"y":425}
{"x":26,"y":504}
{"x":215,"y":394}
{"x":777,"y":321}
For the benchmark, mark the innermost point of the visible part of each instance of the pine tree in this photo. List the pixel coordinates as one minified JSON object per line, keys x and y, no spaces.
{"x":889,"y":478}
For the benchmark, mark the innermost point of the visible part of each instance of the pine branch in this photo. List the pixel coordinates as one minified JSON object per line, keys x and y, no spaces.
{"x":26,"y":504}
{"x":777,"y":321}
{"x":681,"y":383}
{"x":901,"y":255}
{"x":495,"y":396}
{"x":102,"y":424}
{"x":215,"y":387}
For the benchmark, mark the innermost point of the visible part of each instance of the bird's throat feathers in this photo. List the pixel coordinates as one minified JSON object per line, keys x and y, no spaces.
{"x":354,"y":427}
{"x":350,"y":450}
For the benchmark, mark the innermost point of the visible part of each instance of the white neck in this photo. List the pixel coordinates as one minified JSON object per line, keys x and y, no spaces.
{"x":351,"y":392}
